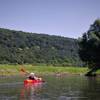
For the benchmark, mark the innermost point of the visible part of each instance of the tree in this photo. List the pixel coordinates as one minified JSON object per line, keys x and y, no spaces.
{"x":90,"y":48}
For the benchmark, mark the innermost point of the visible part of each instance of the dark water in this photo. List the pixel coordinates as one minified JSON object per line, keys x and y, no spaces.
{"x":55,"y":88}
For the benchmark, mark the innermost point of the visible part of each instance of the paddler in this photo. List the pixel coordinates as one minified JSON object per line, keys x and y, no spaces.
{"x":33,"y":77}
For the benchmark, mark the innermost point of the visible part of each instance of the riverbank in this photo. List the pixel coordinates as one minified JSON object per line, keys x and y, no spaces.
{"x":8,"y":70}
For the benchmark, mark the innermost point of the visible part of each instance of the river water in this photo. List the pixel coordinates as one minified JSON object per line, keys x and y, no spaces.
{"x":54,"y":88}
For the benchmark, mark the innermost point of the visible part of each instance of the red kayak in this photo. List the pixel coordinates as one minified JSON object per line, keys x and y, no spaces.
{"x":28,"y":81}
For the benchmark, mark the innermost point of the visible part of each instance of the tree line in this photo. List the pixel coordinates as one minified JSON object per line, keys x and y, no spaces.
{"x":18,"y":47}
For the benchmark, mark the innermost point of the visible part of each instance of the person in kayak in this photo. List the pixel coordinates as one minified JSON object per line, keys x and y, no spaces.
{"x":33,"y":77}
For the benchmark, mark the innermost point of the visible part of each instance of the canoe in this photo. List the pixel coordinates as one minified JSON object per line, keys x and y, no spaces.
{"x":28,"y":81}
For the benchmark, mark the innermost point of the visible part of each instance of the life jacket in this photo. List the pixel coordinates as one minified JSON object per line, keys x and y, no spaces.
{"x":31,"y":78}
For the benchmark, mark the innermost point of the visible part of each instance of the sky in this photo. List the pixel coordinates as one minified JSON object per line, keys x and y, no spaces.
{"x":68,"y":18}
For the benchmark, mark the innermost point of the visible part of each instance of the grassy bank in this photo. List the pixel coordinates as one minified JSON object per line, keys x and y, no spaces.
{"x":16,"y":69}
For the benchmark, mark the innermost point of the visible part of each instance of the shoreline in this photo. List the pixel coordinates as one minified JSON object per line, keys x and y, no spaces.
{"x":65,"y":74}
{"x":12,"y":70}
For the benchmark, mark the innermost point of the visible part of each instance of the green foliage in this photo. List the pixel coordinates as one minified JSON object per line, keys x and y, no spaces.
{"x":90,"y":45}
{"x":41,"y":69}
{"x":20,"y":47}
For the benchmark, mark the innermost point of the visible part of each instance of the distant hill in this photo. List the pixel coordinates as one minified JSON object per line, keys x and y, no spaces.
{"x":19,"y":47}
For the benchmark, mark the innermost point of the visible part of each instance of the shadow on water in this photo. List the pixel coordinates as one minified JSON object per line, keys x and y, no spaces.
{"x":55,"y":88}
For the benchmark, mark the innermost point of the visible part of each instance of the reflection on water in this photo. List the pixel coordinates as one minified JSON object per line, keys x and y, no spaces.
{"x":30,"y":91}
{"x":91,"y":90}
{"x":9,"y":91}
{"x":55,"y":88}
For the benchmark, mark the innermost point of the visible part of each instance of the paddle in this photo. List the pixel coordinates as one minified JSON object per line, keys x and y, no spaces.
{"x":23,"y":71}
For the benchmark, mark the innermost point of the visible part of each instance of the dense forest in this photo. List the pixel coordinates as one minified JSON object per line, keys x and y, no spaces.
{"x":17,"y":47}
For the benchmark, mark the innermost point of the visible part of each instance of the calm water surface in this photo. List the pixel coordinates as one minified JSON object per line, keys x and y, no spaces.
{"x":55,"y":88}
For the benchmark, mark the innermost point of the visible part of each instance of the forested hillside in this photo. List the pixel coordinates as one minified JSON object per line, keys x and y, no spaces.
{"x":22,"y":47}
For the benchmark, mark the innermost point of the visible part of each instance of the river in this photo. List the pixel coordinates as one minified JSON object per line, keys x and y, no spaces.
{"x":54,"y":88}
